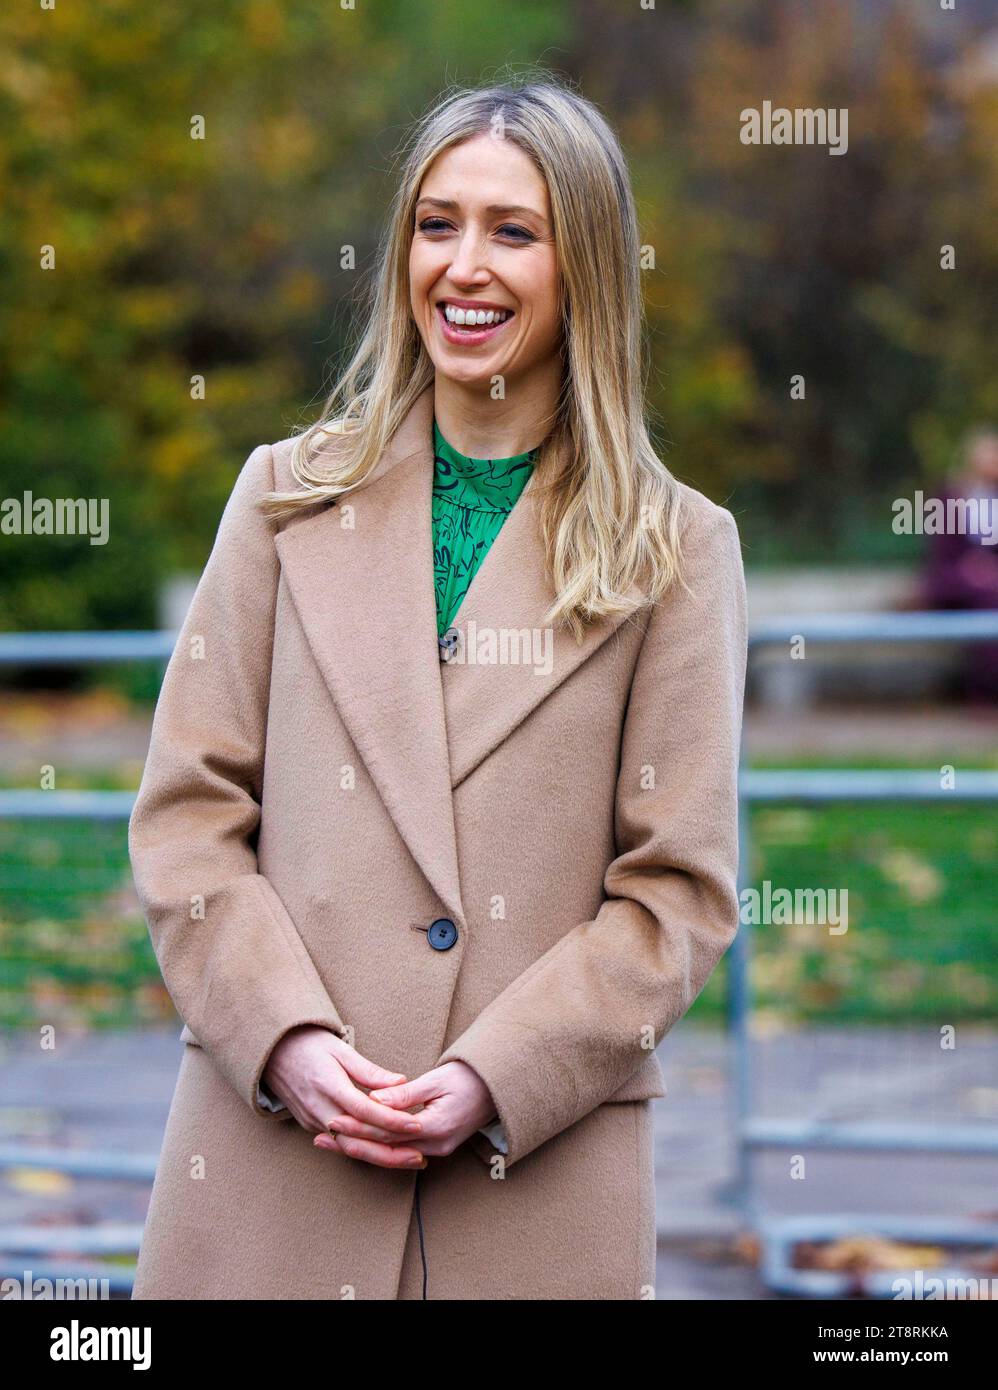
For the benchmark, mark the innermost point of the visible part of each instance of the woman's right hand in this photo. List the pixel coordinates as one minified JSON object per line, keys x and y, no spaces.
{"x":313,"y":1072}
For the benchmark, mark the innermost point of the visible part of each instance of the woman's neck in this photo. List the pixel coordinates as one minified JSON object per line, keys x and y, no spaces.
{"x":479,"y":427}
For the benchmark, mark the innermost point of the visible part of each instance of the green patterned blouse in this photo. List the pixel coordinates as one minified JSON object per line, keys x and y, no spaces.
{"x":471,"y":500}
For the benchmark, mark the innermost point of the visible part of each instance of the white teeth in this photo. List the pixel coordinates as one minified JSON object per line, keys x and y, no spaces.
{"x":479,"y":318}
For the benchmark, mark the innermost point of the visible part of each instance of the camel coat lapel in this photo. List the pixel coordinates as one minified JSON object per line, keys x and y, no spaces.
{"x":361,"y":577}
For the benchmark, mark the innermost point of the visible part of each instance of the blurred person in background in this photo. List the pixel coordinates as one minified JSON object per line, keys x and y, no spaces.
{"x":961,"y":566}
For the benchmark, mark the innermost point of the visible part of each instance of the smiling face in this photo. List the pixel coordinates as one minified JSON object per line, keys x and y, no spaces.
{"x":483,"y":246}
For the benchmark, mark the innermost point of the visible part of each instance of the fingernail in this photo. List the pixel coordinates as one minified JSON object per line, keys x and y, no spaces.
{"x":413,"y":1129}
{"x":417,"y":1163}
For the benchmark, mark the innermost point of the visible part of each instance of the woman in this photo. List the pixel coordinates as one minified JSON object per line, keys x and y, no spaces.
{"x":435,"y":847}
{"x":961,"y":564}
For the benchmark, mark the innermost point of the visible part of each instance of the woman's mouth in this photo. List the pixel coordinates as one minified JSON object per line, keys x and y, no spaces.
{"x":476,"y":327}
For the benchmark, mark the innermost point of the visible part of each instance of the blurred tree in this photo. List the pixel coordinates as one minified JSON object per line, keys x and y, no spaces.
{"x":774,"y":261}
{"x":178,"y":257}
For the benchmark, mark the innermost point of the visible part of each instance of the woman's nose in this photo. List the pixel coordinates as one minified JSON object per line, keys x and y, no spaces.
{"x":469,"y":263}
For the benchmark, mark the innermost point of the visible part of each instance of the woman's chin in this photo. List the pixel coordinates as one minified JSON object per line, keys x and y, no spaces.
{"x":467,"y":373}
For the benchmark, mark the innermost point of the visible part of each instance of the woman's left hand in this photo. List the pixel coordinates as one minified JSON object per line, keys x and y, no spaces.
{"x":454,"y":1101}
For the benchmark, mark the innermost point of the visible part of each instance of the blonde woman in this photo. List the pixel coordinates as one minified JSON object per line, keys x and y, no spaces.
{"x":437,"y":834}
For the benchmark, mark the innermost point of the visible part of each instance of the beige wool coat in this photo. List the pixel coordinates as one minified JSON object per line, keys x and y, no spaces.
{"x":320,"y":788}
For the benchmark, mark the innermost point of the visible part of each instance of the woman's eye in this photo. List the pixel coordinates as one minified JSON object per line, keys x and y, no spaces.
{"x":508,"y":229}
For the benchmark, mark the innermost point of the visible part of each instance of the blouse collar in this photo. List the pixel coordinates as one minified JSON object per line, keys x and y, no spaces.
{"x":493,"y":484}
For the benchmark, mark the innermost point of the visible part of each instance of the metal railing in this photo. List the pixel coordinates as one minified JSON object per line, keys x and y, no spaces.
{"x":779,"y":1235}
{"x":755,"y":787}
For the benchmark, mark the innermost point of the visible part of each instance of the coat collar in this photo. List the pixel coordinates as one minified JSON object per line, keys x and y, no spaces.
{"x":364,"y":593}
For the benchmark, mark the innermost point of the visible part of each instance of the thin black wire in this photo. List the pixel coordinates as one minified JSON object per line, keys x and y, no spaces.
{"x":419,"y":1223}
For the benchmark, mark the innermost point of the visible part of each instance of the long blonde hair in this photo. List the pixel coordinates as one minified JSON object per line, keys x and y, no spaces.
{"x":609,"y":508}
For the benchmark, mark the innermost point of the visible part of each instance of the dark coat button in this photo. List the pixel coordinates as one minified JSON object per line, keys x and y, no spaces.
{"x":442,"y":934}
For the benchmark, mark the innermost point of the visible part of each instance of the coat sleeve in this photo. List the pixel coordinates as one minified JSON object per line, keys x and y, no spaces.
{"x":566,"y":1034}
{"x":230,"y":955}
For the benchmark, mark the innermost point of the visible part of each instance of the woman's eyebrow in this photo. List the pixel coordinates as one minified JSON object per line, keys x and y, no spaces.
{"x":500,"y":209}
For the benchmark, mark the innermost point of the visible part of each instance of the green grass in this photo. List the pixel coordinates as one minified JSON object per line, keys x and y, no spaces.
{"x":74,"y":948}
{"x":922,"y":888}
{"x":920,"y":943}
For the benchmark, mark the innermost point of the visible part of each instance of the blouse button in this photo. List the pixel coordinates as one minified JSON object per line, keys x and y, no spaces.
{"x":448,"y":643}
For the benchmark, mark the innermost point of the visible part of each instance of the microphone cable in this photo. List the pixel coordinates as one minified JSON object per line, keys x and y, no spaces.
{"x":419,"y":1223}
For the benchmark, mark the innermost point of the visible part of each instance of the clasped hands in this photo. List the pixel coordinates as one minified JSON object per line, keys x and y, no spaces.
{"x":317,"y":1076}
